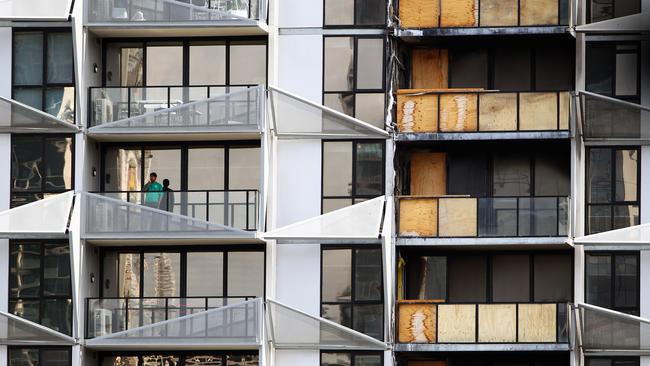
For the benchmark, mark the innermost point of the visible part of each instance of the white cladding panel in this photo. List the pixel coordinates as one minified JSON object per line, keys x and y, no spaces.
{"x":296,"y":358}
{"x":300,"y":65}
{"x":35,"y":9}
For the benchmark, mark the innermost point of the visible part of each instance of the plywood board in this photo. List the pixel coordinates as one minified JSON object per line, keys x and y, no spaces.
{"x":457,"y":217}
{"x":538,"y":12}
{"x":456,"y":323}
{"x":418,"y":217}
{"x":428,"y":174}
{"x":538,"y":111}
{"x":417,"y":323}
{"x":430,"y":68}
{"x":417,"y":113}
{"x":497,"y":323}
{"x":458,"y":112}
{"x":497,"y":112}
{"x":565,"y":108}
{"x":419,"y":13}
{"x":458,"y":13}
{"x":498,"y":13}
{"x":537,"y":323}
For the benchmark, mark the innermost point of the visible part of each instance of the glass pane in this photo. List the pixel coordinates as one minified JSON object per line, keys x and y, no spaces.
{"x":467,"y":174}
{"x":510,"y":278}
{"x":59,"y":102}
{"x":28,"y":58}
{"x":25,"y":270}
{"x":626,"y":175}
{"x":538,"y":216}
{"x":626,"y":7}
{"x":246,"y":274}
{"x":367,"y":360}
{"x":56,"y":270}
{"x":242,"y":360}
{"x":369,"y":319}
{"x":602,"y":10}
{"x":599,"y":218}
{"x":205,"y":168}
{"x":627,"y":73}
{"x":204,"y":360}
{"x":23,"y":357}
{"x":58,"y":163}
{"x":370,"y":12}
{"x":129,"y":275}
{"x":371,"y":58}
{"x":337,"y":275}
{"x":208,"y":64}
{"x":368,"y":275}
{"x":497,"y":216}
{"x":162,"y":275}
{"x":57,"y":314}
{"x":122,"y":168}
{"x":337,"y":168}
{"x":512,"y":69}
{"x":552,"y":174}
{"x":467,"y":278}
{"x":59,"y":58}
{"x":124,"y":64}
{"x":468,"y":69}
{"x":335,"y":359}
{"x":332,"y":204}
{"x":339,"y":63}
{"x":625,"y":216}
{"x":626,"y":283}
{"x":56,"y":357}
{"x":205,"y":274}
{"x":427,"y":278}
{"x":247,"y":63}
{"x":244,"y":168}
{"x":169,"y":72}
{"x":32,"y":97}
{"x":166,"y":164}
{"x":343,"y":102}
{"x":26,"y":163}
{"x":339,"y":314}
{"x":599,"y":69}
{"x":600,"y":175}
{"x":28,"y":309}
{"x":339,"y":12}
{"x":553,"y":277}
{"x":369,"y":169}
{"x":598,"y":280}
{"x":121,"y":361}
{"x":511,"y":175}
{"x":370,"y":108}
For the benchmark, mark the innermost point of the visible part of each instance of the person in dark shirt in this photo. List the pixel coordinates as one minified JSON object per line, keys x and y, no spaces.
{"x":168,"y":199}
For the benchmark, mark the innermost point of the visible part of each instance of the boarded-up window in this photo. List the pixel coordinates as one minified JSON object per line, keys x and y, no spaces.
{"x":553,"y":277}
{"x":469,"y":69}
{"x":467,"y":278}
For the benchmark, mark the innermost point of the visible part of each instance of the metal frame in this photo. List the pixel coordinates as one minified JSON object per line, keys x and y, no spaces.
{"x":613,"y":280}
{"x":611,"y":46}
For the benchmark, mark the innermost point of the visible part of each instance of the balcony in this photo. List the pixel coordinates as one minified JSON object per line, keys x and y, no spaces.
{"x":137,"y":18}
{"x":607,"y":119}
{"x":434,"y":114}
{"x":429,"y":322}
{"x":482,"y":217}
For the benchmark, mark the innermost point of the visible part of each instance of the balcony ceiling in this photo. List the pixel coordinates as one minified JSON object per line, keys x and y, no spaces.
{"x":46,"y":218}
{"x":16,"y":117}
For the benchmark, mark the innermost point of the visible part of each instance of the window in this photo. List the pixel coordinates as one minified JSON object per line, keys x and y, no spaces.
{"x":351,"y":359}
{"x":176,"y":358}
{"x":612,"y":188}
{"x":612,"y":281}
{"x":40,"y":284}
{"x":353,"y":171}
{"x":352,"y":288}
{"x":348,"y":88}
{"x":361,"y":13}
{"x":614,"y":70}
{"x":43,"y":71}
{"x":612,"y":361}
{"x":45,"y":356}
{"x":41,"y":165}
{"x":600,"y":10}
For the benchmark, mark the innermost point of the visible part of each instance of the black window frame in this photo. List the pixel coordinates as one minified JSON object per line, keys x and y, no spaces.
{"x":44,"y":84}
{"x":40,"y":193}
{"x":354,"y":23}
{"x":353,"y":196}
{"x":41,"y":298}
{"x":353,"y":355}
{"x":181,"y":354}
{"x":613,"y":203}
{"x":355,"y":51}
{"x":614,"y":52}
{"x":613,"y":254}
{"x":589,"y":19}
{"x":353,"y":301}
{"x":40,"y":354}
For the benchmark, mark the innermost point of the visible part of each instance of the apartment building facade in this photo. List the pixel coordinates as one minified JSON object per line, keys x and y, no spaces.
{"x":337,"y":182}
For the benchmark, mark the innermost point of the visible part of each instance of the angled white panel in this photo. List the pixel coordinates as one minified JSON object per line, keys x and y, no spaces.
{"x":44,"y":218}
{"x":289,"y":328}
{"x":76,"y":263}
{"x":16,"y":117}
{"x":297,"y":117}
{"x":110,"y":218}
{"x":236,"y":326}
{"x":35,"y":10}
{"x":608,"y":332}
{"x":633,"y":235}
{"x":359,"y":221}
{"x":16,"y":331}
{"x":635,"y":23}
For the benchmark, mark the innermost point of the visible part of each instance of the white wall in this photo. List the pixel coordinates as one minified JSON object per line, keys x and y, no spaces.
{"x":300,"y":65}
{"x":300,"y":13}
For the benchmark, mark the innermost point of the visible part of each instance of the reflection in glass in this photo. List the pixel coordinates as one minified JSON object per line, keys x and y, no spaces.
{"x":129,"y":275}
{"x":242,"y":360}
{"x":367,"y":360}
{"x":206,"y":168}
{"x":25,"y":270}
{"x":626,"y":270}
{"x":626,"y":175}
{"x":511,"y":175}
{"x":598,"y":280}
{"x":600,"y":179}
{"x":369,"y":107}
{"x":124,"y":64}
{"x":246,"y":274}
{"x":59,"y":102}
{"x":205,"y":274}
{"x":369,"y":168}
{"x":58,"y":163}
{"x":26,"y":164}
{"x":370,"y":12}
{"x":337,"y":169}
{"x":335,"y":359}
{"x":341,"y":102}
{"x":339,"y":63}
{"x":159,"y":360}
{"x":162,"y":274}
{"x":368,"y":275}
{"x":122,"y":168}
{"x":121,"y":361}
{"x":57,"y":314}
{"x":23,"y":356}
{"x":56,"y":270}
{"x":368,"y":319}
{"x":337,"y":274}
{"x":204,"y":360}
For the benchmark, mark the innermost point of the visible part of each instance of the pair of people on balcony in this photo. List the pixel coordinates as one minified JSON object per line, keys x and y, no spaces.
{"x":158,"y":196}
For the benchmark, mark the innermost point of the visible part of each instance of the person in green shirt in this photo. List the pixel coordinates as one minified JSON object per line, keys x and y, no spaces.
{"x":153,"y":192}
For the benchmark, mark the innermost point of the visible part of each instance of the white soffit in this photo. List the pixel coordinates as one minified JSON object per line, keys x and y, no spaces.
{"x":635,"y":23}
{"x":361,"y":221}
{"x":16,"y":331}
{"x":296,"y":117}
{"x":45,"y":218}
{"x":16,"y":117}
{"x":633,"y":235}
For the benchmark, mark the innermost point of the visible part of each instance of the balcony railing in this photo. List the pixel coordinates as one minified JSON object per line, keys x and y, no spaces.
{"x":428,"y":321}
{"x":233,"y":208}
{"x":427,"y":111}
{"x":482,"y":13}
{"x":115,"y":103}
{"x":143,"y":12}
{"x":464,"y":216}
{"x":115,"y":314}
{"x":607,"y":118}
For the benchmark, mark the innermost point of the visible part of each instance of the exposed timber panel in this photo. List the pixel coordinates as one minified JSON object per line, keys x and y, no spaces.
{"x":419,"y":13}
{"x":497,"y":323}
{"x":498,"y":13}
{"x":430,"y":68}
{"x":538,"y":111}
{"x":456,"y":323}
{"x":565,"y":108}
{"x":458,"y":112}
{"x":428,"y":174}
{"x":458,"y":13}
{"x":417,"y":113}
{"x":497,"y":112}
{"x":417,"y":323}
{"x":457,"y":217}
{"x":538,"y":12}
{"x":418,"y":217}
{"x":537,"y":323}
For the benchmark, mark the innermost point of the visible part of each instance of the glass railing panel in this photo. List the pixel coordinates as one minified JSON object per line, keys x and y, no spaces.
{"x":497,"y":216}
{"x":604,"y":117}
{"x":538,"y":216}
